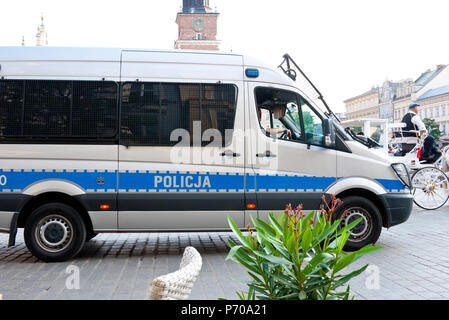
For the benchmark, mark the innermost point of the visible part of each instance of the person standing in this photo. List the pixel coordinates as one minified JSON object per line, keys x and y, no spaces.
{"x":415,"y":127}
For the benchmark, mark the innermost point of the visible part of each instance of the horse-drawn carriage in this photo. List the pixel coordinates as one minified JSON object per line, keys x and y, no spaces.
{"x":428,"y":166}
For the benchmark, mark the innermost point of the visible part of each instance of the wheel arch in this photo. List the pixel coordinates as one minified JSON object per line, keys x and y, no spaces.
{"x":50,"y":197}
{"x":375,"y":199}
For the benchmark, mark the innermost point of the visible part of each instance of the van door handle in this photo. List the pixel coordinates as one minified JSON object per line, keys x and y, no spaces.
{"x":229,"y":153}
{"x":266,"y":154}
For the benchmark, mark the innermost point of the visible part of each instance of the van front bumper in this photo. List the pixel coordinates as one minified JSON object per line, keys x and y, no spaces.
{"x":398,"y":207}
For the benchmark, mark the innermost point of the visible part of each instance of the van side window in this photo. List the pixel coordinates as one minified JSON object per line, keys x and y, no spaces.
{"x":94,"y":109}
{"x":47,"y":108}
{"x":11,"y":107}
{"x":265,"y":119}
{"x":140,"y":118}
{"x":58,"y":109}
{"x":313,"y":125}
{"x":278,"y":113}
{"x":150,"y":112}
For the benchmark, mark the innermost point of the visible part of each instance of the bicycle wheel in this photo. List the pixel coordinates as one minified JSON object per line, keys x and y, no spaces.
{"x":431,"y":188}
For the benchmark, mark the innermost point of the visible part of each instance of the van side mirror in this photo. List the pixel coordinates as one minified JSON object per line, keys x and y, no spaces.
{"x":328,"y":132}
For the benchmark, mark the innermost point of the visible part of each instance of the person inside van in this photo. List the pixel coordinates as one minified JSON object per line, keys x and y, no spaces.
{"x":276,"y":113}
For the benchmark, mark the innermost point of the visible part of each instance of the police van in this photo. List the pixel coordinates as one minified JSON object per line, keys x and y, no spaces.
{"x":111,"y":140}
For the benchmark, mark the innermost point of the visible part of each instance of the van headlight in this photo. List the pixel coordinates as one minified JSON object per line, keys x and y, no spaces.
{"x":401,"y":171}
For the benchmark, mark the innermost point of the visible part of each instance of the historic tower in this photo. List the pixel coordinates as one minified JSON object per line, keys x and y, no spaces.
{"x":41,"y":36}
{"x":197,"y":26}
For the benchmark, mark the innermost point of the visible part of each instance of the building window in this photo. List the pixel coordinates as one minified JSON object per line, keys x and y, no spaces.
{"x":437,"y":112}
{"x":443,"y":110}
{"x":198,"y":36}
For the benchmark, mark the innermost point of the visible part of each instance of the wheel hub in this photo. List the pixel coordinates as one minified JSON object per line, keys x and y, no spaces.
{"x":429,"y":188}
{"x":54,"y":233}
{"x":362,"y":229}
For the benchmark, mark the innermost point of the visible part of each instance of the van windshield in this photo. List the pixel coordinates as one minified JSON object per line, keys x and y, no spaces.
{"x":342,"y":132}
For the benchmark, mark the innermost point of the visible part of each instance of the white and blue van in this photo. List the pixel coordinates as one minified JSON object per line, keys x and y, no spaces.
{"x":113,"y":140}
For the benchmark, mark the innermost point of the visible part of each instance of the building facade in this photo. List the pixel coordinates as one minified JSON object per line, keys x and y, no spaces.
{"x":363,"y":106}
{"x":391,"y":100}
{"x":433,"y":99}
{"x":402,"y":99}
{"x":197,"y":26}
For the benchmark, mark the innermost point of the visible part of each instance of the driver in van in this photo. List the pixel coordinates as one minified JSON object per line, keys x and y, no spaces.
{"x":278,"y":113}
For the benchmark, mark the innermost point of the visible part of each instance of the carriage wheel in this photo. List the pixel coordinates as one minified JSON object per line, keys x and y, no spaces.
{"x":431,"y":188}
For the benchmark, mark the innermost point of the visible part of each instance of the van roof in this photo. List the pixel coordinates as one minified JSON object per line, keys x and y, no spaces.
{"x":15,"y":53}
{"x":91,"y":54}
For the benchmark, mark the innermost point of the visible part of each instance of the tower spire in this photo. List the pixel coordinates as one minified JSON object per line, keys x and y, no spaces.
{"x":41,"y":36}
{"x":195,"y":6}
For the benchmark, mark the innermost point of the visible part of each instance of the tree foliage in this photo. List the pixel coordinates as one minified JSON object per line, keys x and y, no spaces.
{"x":433,"y":128}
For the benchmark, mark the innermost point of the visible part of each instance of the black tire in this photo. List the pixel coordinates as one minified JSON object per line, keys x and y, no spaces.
{"x":55,"y":232}
{"x":368,"y":230}
{"x":90,"y":235}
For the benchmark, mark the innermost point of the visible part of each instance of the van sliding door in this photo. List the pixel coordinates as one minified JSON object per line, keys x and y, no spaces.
{"x":181,"y":163}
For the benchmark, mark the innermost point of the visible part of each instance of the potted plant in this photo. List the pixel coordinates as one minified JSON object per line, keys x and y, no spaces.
{"x":297,"y":256}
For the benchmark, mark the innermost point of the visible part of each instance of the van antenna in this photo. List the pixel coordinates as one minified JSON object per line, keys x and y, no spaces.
{"x":286,"y":67}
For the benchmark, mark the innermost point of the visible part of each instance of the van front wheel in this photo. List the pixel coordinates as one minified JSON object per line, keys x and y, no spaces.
{"x":54,"y":232}
{"x":369,"y":228}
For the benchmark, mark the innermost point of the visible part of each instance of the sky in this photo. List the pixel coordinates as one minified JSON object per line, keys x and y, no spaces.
{"x":345,"y":47}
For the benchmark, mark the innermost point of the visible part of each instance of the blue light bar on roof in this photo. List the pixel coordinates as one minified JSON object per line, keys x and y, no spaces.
{"x":252,"y":73}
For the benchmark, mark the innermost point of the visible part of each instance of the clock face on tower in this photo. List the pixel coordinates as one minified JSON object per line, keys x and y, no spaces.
{"x":198,"y":24}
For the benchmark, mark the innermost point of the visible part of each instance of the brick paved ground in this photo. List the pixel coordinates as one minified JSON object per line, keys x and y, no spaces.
{"x":414,"y":264}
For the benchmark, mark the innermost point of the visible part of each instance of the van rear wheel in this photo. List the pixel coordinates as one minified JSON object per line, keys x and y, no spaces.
{"x":369,"y":228}
{"x":54,"y":232}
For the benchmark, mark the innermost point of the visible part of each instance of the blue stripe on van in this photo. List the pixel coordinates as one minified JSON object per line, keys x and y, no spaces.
{"x":165,"y":181}
{"x":391,"y":185}
{"x":250,"y":182}
{"x":161,"y":181}
{"x":284,"y":182}
{"x":21,"y":179}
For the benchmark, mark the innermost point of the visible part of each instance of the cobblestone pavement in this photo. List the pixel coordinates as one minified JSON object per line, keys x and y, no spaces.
{"x":414,"y":264}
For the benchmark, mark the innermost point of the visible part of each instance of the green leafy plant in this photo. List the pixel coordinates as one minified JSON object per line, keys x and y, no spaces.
{"x":297,"y":256}
{"x":433,"y":128}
